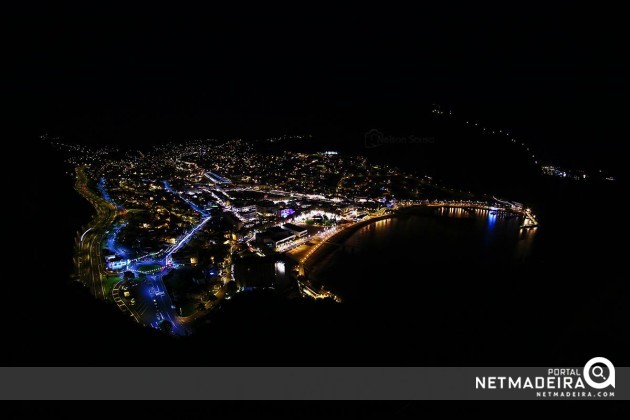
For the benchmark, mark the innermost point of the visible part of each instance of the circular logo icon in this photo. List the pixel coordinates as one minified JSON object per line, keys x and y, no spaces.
{"x":596,"y":376}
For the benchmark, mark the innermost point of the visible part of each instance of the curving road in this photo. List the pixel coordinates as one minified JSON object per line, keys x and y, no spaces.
{"x":91,"y":267}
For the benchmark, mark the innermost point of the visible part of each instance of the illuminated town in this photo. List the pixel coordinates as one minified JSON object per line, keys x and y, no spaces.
{"x":356,"y":203}
{"x":183,"y":226}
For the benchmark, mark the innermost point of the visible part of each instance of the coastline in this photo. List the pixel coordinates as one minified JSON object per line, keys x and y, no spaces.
{"x":327,"y":251}
{"x":337,"y":240}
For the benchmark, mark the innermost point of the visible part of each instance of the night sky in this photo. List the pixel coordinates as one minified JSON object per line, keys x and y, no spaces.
{"x":114,"y":76}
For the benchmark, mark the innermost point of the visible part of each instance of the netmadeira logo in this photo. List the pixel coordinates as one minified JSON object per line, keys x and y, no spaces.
{"x":593,"y":369}
{"x":595,"y":380}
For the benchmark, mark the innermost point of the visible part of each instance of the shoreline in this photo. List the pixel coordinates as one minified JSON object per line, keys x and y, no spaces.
{"x":326,"y":251}
{"x":336,"y":242}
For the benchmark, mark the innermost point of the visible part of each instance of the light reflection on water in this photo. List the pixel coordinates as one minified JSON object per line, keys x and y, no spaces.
{"x":454,"y":238}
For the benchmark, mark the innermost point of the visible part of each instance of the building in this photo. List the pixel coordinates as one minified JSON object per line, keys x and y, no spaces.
{"x":185,"y":259}
{"x":117,"y":263}
{"x":274,"y":237}
{"x":256,"y":272}
{"x":298,"y":231}
{"x":285,"y":212}
{"x":242,"y":206}
{"x":266,"y":208}
{"x":245,"y":209}
{"x":249,"y":216}
{"x":216,"y":178}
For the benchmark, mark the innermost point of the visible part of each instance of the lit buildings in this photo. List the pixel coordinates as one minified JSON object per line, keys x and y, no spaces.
{"x":266,"y":208}
{"x":298,"y":231}
{"x":274,"y":237}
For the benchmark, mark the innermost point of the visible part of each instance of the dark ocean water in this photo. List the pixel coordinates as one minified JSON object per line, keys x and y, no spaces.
{"x":418,"y":251}
{"x":450,"y":288}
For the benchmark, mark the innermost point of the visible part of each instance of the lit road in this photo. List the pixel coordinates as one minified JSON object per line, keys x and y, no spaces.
{"x":184,"y":241}
{"x":151,"y":303}
{"x":91,"y":268}
{"x":146,"y":303}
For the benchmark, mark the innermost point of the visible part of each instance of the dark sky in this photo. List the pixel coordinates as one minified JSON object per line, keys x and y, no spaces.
{"x":101,"y":74}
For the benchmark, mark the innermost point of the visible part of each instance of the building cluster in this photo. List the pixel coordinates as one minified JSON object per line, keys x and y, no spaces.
{"x":215,"y":207}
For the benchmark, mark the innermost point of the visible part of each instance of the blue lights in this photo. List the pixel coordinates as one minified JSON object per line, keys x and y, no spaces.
{"x":217,"y":179}
{"x":286,"y":213}
{"x":105,"y":194}
{"x":492,"y":219}
{"x":192,"y":205}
